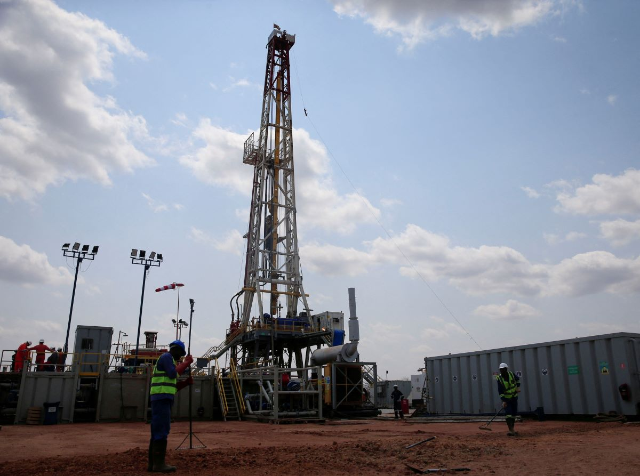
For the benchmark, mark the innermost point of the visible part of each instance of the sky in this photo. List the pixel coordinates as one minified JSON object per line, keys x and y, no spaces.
{"x":471,"y":168}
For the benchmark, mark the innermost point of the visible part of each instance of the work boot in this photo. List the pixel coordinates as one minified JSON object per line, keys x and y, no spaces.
{"x":395,"y":415}
{"x":150,"y":466}
{"x":510,"y":426}
{"x":159,"y":453}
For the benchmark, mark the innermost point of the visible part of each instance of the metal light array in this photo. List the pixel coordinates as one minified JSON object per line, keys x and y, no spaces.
{"x":79,"y":255}
{"x":153,"y":260}
{"x":140,"y":257}
{"x":75,"y":251}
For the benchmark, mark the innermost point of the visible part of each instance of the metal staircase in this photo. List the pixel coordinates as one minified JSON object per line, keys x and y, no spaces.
{"x":233,"y":412}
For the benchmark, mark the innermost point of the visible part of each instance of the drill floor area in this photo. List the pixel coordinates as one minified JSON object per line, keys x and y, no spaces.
{"x":335,"y":447}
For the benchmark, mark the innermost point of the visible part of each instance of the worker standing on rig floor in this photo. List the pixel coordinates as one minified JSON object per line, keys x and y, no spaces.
{"x":397,"y":402}
{"x":21,"y":355}
{"x":164,"y":385}
{"x":508,"y":388}
{"x":40,"y":349}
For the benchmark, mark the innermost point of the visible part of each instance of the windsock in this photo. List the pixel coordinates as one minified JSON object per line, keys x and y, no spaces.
{"x":169,"y":286}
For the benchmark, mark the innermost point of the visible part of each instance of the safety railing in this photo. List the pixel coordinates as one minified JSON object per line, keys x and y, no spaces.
{"x":233,"y":374}
{"x":221,"y":393}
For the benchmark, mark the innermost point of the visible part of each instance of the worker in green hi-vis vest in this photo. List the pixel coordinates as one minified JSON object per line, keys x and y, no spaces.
{"x":508,"y":389}
{"x":164,"y":385}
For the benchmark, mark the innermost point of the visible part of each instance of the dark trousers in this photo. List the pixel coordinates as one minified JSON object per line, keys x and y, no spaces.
{"x":161,"y":418}
{"x":511,"y":410}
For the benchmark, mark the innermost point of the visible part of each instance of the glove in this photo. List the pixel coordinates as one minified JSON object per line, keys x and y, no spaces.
{"x":504,"y":404}
{"x":180,"y":368}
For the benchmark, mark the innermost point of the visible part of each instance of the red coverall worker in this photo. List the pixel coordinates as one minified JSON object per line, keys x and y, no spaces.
{"x":21,"y":355}
{"x":40,"y":349}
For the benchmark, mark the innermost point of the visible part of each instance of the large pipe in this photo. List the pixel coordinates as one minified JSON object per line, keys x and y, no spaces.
{"x":346,"y":352}
{"x":264,"y":392}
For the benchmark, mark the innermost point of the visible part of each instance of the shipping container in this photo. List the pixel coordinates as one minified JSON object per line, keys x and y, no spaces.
{"x":581,"y":376}
{"x":91,"y":343}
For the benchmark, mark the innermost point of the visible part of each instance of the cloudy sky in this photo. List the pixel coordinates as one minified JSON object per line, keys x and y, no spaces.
{"x":472,"y":168}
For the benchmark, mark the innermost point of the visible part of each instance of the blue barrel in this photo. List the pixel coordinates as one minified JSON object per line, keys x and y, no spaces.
{"x":338,"y":337}
{"x":51,"y":413}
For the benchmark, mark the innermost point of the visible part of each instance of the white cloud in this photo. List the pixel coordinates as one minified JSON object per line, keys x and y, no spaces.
{"x":213,"y":86}
{"x":45,"y":325}
{"x":551,"y":238}
{"x":416,"y":21}
{"x":20,"y":264}
{"x":219,"y":162}
{"x":592,"y":273}
{"x":554,"y":239}
{"x":53,"y":128}
{"x":232,"y":242}
{"x":154,"y":204}
{"x":585,"y":91}
{"x":620,"y":232}
{"x":478,"y":271}
{"x":606,"y":195}
{"x":180,"y":119}
{"x":178,"y":206}
{"x":240,"y":83}
{"x":390,"y":202}
{"x":331,"y":260}
{"x":612,"y":99}
{"x":574,"y":235}
{"x":559,"y":39}
{"x":511,"y":310}
{"x":531,"y":193}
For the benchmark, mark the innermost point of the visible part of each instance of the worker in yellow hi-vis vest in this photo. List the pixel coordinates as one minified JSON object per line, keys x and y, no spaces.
{"x":509,"y":388}
{"x":164,"y":385}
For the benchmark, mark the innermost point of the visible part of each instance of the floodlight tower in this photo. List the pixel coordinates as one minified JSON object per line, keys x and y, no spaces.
{"x":273,"y":264}
{"x":153,"y":260}
{"x":79,"y":255}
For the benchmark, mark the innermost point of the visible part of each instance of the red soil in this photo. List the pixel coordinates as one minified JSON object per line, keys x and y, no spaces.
{"x":341,"y":447}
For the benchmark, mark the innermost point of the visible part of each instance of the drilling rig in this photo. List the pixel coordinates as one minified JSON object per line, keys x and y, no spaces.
{"x":281,"y":338}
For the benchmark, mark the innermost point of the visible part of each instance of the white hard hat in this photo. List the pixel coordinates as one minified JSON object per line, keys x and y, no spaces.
{"x":28,"y":342}
{"x":504,"y":366}
{"x":395,"y":385}
{"x":42,"y":341}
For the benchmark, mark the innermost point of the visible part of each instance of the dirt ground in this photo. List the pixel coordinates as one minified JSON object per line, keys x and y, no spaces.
{"x":337,"y":447}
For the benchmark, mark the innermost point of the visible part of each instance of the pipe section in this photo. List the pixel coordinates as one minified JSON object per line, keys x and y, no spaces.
{"x":346,"y":352}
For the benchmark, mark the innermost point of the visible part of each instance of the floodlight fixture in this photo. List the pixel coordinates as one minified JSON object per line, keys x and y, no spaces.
{"x":159,"y":256}
{"x":173,"y":320}
{"x":95,"y":250}
{"x":79,"y":256}
{"x":140,"y":257}
{"x":124,"y":334}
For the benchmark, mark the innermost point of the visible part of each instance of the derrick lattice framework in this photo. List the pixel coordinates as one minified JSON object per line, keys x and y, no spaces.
{"x":272,"y":266}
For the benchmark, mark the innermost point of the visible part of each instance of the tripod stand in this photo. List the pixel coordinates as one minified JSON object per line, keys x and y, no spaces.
{"x":191,"y":434}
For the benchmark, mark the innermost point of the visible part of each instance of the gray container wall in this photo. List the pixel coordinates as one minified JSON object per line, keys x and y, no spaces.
{"x":570,"y":377}
{"x":203,"y":396}
{"x":40,"y":387}
{"x":97,"y":340}
{"x":123,"y":396}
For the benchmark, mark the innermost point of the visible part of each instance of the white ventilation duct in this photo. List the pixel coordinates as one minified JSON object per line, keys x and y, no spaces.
{"x":346,"y":352}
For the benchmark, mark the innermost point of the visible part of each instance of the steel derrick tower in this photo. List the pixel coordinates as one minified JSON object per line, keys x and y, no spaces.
{"x":273,"y":264}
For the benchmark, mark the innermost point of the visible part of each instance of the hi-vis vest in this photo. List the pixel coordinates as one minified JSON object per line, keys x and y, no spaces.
{"x":160,"y":383}
{"x":509,"y":386}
